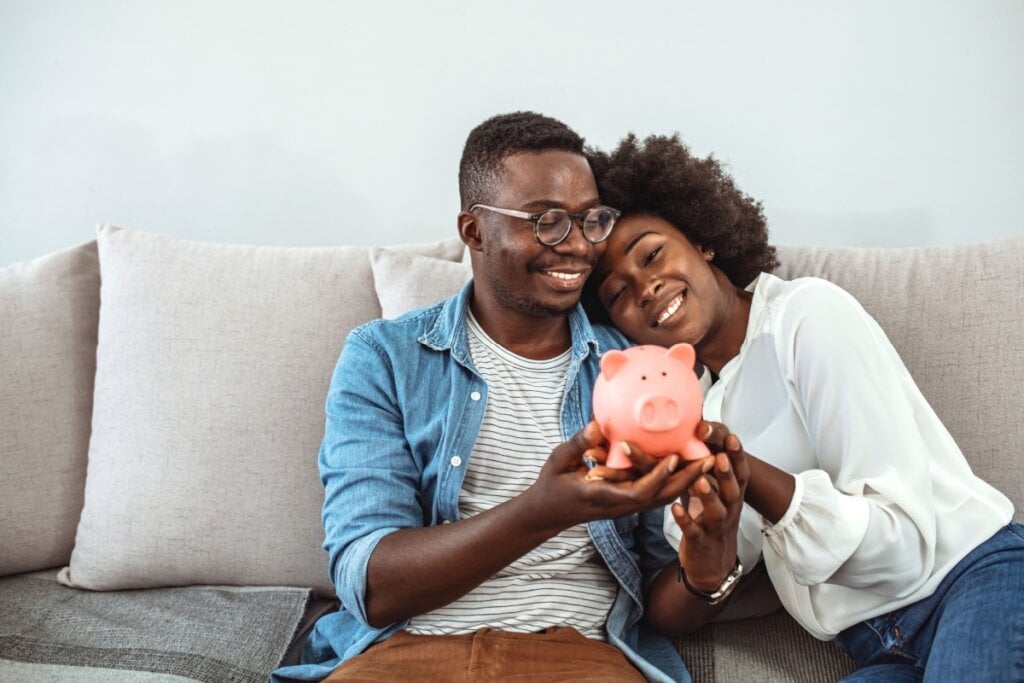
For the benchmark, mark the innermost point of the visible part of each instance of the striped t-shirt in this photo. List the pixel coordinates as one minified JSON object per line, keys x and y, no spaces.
{"x":563,"y":581}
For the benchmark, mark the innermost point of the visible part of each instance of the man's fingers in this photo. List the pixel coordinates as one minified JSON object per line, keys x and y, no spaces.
{"x":595,"y":456}
{"x":674,"y":483}
{"x":602,"y":473}
{"x":639,"y":458}
{"x":569,"y":455}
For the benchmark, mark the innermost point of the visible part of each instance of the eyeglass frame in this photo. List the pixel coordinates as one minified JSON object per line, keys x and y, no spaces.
{"x":579,"y":218}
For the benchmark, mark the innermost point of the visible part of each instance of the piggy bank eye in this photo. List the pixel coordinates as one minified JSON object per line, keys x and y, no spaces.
{"x":643,"y":377}
{"x":664,"y":374}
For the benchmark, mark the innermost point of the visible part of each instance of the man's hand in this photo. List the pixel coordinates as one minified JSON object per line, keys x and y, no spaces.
{"x":567,"y":492}
{"x":415,"y":570}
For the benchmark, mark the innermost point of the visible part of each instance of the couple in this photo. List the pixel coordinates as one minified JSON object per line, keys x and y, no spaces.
{"x":468,"y":539}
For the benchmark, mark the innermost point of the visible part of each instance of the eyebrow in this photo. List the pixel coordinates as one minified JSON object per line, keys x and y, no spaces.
{"x":636,"y":239}
{"x":601,"y":276}
{"x":544,"y":204}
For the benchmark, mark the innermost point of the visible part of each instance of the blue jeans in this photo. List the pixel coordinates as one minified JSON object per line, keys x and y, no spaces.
{"x":970,"y":629}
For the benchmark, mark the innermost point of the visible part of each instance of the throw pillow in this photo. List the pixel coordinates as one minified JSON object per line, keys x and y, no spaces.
{"x":212,"y":368}
{"x":406,"y":281}
{"x":49,"y":309}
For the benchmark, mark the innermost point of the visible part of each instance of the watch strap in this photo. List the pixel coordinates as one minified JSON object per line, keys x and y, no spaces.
{"x":724,"y":589}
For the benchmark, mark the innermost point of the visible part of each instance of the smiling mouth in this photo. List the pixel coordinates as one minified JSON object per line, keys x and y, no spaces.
{"x":673,"y":307}
{"x":567,"y":279}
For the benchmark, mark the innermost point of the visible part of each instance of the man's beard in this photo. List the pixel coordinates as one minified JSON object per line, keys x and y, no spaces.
{"x":517,"y":301}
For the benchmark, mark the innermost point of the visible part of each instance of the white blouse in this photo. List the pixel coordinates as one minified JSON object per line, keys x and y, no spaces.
{"x":885,"y":504}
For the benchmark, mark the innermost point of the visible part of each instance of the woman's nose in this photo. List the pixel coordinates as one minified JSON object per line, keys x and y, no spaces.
{"x":649,"y":291}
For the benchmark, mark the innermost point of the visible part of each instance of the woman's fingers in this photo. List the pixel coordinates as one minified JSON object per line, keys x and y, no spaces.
{"x":713,"y":434}
{"x":712,"y":509}
{"x":691,"y":530}
{"x":729,"y":489}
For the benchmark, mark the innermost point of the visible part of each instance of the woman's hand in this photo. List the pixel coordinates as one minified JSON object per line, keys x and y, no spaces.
{"x":710,"y":519}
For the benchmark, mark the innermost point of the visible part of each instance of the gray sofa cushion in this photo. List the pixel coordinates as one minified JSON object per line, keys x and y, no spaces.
{"x":204,"y":633}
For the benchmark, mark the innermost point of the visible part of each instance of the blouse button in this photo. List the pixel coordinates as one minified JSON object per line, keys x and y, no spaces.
{"x":456,"y":461}
{"x":475,"y":396}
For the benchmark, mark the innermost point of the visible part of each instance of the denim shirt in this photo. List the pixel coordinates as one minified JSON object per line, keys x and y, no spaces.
{"x":403,"y":413}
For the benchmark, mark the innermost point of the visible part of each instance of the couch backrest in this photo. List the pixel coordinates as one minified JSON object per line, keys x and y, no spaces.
{"x":195,"y":447}
{"x":956,"y":316}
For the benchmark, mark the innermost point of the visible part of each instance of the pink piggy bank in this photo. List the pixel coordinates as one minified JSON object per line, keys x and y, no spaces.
{"x":650,"y":396}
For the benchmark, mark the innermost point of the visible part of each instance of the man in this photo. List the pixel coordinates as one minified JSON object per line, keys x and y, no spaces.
{"x":465,"y":536}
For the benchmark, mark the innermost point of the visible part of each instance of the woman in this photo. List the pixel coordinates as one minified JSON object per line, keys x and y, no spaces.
{"x":872,"y":526}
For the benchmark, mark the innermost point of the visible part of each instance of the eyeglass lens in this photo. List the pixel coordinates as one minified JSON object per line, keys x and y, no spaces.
{"x":554,"y":225}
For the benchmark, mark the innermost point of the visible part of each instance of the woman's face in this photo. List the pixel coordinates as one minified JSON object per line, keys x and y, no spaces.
{"x":657,"y":287}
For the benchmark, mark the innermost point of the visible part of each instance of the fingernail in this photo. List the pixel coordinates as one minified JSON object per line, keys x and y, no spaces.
{"x":723,"y":465}
{"x":593,"y":477}
{"x":708,"y":464}
{"x":673,"y":463}
{"x":703,"y":486}
{"x":705,"y":430}
{"x":625,"y":448}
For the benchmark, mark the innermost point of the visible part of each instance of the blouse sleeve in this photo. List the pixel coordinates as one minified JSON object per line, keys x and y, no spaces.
{"x":865,"y":519}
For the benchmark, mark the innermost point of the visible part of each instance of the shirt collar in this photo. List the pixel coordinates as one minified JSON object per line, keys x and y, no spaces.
{"x":448,"y":333}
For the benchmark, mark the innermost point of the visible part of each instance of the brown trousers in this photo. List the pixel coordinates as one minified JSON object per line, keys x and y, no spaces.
{"x":555,"y":656}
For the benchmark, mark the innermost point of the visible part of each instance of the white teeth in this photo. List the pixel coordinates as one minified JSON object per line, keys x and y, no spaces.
{"x":672,"y":308}
{"x":568,"y":277}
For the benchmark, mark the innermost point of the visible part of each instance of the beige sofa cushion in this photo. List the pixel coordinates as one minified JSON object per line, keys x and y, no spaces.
{"x":956,"y":316}
{"x":212,"y":367}
{"x":48,"y":309}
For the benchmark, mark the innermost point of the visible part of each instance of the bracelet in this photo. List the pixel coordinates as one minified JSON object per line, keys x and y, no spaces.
{"x":724,"y":589}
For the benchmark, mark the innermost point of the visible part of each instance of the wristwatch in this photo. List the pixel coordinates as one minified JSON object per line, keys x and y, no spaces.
{"x":724,"y":589}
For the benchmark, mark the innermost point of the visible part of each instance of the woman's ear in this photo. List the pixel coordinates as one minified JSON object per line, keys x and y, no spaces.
{"x":469,"y":230}
{"x":708,"y":254}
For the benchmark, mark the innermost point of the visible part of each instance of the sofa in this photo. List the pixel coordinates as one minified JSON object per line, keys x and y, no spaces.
{"x":162,"y":405}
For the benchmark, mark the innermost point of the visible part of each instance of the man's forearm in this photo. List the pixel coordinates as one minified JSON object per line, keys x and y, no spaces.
{"x":415,"y":570}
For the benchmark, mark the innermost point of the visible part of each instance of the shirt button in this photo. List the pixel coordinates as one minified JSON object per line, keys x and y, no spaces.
{"x":475,"y":396}
{"x":456,"y":461}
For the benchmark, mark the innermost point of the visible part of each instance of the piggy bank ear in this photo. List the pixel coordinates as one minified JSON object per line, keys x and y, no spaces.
{"x":612,"y":361}
{"x":683,"y":353}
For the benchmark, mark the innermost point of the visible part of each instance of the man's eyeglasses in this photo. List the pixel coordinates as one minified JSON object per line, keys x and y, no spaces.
{"x":553,"y":225}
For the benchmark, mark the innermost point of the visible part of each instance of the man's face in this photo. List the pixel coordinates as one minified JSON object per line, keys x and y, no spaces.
{"x":519,"y":273}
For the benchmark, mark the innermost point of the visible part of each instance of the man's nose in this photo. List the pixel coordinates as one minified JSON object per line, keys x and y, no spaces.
{"x":575,"y":243}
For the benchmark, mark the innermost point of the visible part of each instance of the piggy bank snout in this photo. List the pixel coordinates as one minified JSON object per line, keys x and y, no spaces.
{"x":658,"y":413}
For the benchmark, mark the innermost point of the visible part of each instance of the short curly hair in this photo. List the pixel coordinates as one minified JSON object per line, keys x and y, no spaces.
{"x":659,"y":176}
{"x":500,"y":136}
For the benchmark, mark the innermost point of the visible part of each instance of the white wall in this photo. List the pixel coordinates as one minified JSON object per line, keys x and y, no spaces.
{"x":320,"y":122}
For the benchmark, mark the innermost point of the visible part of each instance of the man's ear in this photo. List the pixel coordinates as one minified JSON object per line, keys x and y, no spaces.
{"x":469,"y":230}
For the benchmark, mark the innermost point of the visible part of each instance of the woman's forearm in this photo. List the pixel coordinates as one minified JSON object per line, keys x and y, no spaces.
{"x":769,"y":489}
